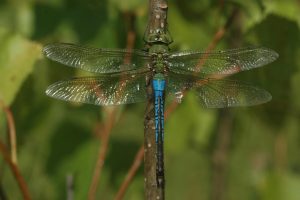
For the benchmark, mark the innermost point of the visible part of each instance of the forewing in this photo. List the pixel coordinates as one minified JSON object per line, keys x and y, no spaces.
{"x":95,"y":59}
{"x":215,"y":93}
{"x":221,"y":62}
{"x":101,"y":90}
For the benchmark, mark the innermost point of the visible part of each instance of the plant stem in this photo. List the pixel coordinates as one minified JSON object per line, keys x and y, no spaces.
{"x":150,"y":147}
{"x":16,"y":172}
{"x":102,"y":154}
{"x":12,"y":136}
{"x":157,"y":22}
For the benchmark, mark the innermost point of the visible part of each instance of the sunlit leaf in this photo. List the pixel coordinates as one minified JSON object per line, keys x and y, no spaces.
{"x":288,"y":9}
{"x":17,"y":58}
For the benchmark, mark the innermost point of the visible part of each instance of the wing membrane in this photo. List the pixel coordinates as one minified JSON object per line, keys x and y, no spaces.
{"x":101,"y":90}
{"x":95,"y":59}
{"x":215,"y":93}
{"x":221,"y":62}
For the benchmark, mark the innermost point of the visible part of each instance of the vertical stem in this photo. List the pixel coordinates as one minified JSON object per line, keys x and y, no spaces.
{"x":151,"y":190}
{"x":16,"y":172}
{"x":102,"y":154}
{"x":156,"y":28}
{"x":12,"y":137}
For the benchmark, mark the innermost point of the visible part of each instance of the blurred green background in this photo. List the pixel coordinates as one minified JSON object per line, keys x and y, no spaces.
{"x":221,"y":154}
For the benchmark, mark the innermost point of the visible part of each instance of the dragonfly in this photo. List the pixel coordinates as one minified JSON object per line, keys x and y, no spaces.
{"x":121,"y":78}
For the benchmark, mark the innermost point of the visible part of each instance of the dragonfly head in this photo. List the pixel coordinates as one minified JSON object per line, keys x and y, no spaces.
{"x":158,"y":37}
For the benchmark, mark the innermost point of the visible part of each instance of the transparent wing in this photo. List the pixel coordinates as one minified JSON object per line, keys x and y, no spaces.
{"x":101,"y":90}
{"x":216,"y":93}
{"x":95,"y":59}
{"x":221,"y":62}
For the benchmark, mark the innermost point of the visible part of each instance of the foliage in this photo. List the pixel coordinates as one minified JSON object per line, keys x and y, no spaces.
{"x":241,"y":153}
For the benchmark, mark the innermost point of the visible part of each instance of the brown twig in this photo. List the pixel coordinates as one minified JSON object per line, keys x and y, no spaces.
{"x":107,"y":127}
{"x":153,"y":162}
{"x":131,"y":173}
{"x":16,"y":172}
{"x":102,"y":154}
{"x":11,"y":133}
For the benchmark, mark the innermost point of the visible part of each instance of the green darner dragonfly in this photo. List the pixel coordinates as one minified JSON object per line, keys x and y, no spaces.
{"x":121,"y":76}
{"x":119,"y":82}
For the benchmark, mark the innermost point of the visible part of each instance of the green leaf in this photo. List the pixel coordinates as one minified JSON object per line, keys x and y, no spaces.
{"x":255,"y":12}
{"x":17,"y":58}
{"x":252,"y":12}
{"x":287,"y":9}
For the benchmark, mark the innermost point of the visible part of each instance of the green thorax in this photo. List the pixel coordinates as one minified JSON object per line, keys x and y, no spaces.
{"x":158,"y":53}
{"x":158,"y":36}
